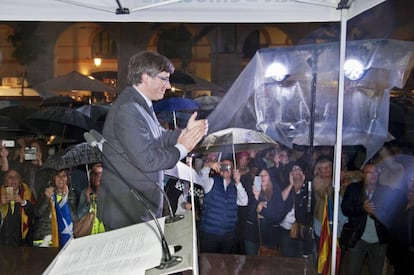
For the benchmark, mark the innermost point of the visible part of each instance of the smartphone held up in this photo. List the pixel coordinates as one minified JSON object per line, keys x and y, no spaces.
{"x":257,"y":183}
{"x":7,"y":143}
{"x":30,"y":153}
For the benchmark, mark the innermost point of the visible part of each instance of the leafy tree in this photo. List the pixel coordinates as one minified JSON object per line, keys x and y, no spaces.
{"x":27,"y":45}
{"x":177,"y":41}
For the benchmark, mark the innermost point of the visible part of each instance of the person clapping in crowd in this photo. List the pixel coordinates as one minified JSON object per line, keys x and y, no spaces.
{"x":365,"y":205}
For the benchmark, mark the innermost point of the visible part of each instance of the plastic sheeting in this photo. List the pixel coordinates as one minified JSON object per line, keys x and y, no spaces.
{"x":283,"y":109}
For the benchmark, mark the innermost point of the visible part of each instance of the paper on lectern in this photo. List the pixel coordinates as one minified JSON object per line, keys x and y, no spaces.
{"x":128,"y":250}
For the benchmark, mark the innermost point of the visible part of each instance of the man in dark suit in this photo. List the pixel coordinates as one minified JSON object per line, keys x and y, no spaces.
{"x":366,"y":204}
{"x":137,"y":147}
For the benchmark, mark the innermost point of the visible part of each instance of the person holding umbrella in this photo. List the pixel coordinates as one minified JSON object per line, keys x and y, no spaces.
{"x":138,"y":148}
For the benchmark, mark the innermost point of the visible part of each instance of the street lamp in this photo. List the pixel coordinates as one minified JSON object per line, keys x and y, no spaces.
{"x":97,"y":61}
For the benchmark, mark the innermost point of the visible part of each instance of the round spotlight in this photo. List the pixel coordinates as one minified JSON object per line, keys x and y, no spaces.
{"x":353,"y":69}
{"x":277,"y":71}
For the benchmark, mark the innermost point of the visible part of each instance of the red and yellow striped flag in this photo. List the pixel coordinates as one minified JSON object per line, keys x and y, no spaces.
{"x":325,"y":243}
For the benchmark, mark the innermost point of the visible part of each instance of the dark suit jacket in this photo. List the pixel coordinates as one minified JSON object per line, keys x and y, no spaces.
{"x":133,"y":136}
{"x":352,"y":207}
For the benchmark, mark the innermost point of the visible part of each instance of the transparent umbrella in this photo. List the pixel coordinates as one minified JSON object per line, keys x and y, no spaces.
{"x":234,"y":140}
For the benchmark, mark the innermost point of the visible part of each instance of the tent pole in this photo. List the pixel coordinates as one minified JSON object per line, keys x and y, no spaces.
{"x":195,"y":250}
{"x":312,"y":110}
{"x":338,"y":143}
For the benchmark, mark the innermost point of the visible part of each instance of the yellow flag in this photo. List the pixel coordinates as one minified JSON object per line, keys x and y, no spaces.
{"x":55,"y":230}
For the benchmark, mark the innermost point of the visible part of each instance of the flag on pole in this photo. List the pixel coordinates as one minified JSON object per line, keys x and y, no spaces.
{"x":64,"y":220}
{"x":55,"y":230}
{"x":325,"y":243}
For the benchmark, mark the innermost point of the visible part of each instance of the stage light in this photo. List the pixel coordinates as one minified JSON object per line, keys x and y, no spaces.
{"x":353,"y":69}
{"x":277,"y":71}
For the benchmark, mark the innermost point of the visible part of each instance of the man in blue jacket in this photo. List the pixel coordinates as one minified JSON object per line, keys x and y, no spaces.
{"x":223,"y":194}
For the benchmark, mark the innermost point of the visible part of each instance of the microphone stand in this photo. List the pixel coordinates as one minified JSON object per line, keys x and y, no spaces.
{"x":193,"y":206}
{"x":308,"y":241}
{"x":95,"y":135}
{"x":167,"y":260}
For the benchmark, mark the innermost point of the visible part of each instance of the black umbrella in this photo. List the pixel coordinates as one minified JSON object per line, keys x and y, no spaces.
{"x":61,"y":121}
{"x":75,"y":81}
{"x":73,"y":156}
{"x":64,"y":101}
{"x":10,"y":129}
{"x":18,"y":113}
{"x":95,"y":112}
{"x":179,"y":77}
{"x":208,"y":103}
{"x":189,"y":82}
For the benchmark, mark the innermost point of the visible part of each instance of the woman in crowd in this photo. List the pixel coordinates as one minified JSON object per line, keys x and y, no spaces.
{"x":293,"y":228}
{"x":265,"y":211}
{"x":56,"y":197}
{"x":88,"y":195}
{"x":30,"y":161}
{"x":321,"y":185}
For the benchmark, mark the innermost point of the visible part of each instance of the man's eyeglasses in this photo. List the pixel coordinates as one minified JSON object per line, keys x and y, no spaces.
{"x":164,"y":78}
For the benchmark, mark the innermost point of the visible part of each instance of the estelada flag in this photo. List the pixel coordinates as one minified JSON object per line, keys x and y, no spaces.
{"x":64,"y":220}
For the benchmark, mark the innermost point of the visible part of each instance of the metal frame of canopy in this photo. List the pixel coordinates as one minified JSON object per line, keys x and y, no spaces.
{"x":195,"y":11}
{"x":206,"y":11}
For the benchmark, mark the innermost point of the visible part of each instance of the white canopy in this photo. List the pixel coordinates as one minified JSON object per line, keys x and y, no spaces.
{"x":204,"y":11}
{"x":195,"y":11}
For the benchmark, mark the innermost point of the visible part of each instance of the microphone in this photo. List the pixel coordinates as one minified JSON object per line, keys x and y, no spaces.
{"x":95,"y":139}
{"x":167,"y":260}
{"x":92,"y":140}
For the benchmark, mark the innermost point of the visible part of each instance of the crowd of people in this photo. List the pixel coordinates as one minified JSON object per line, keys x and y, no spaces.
{"x":264,"y":202}
{"x":286,"y":199}
{"x":34,"y":199}
{"x":259,"y":203}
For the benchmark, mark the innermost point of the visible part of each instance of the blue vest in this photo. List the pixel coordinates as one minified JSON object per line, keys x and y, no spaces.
{"x":219,"y":213}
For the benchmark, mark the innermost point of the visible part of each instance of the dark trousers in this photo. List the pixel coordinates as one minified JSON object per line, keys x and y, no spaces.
{"x":376,"y":253}
{"x":290,"y":247}
{"x":212,"y":243}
